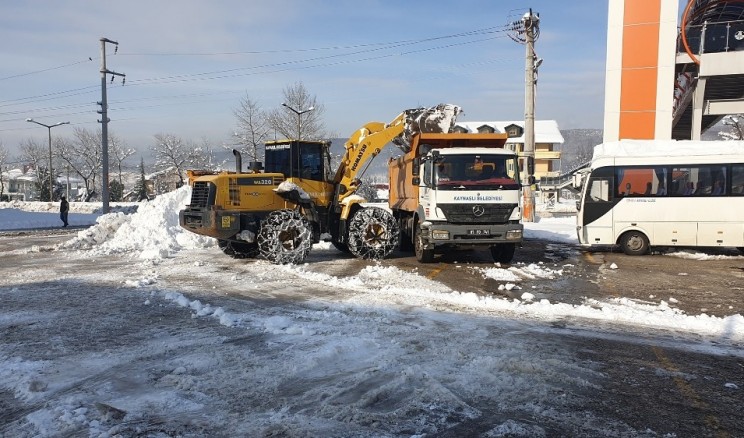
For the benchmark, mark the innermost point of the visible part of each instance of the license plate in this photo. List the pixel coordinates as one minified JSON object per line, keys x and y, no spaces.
{"x":479,"y":232}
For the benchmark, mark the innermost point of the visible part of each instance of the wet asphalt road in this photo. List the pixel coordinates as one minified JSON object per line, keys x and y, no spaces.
{"x":652,"y":380}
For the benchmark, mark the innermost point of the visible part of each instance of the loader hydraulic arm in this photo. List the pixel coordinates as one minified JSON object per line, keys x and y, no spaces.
{"x":361,"y":147}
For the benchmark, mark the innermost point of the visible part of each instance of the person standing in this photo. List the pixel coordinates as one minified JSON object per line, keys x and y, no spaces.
{"x":64,"y":207}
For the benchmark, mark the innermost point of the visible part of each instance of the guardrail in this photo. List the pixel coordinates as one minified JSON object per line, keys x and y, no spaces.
{"x":724,"y":36}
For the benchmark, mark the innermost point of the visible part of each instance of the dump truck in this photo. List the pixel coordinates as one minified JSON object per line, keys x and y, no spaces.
{"x":457,"y":191}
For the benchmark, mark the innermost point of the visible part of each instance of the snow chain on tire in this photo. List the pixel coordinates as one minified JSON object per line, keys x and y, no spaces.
{"x":373,"y":233}
{"x":285,"y":237}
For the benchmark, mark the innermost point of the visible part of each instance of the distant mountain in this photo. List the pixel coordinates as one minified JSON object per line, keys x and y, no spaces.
{"x":577,"y":147}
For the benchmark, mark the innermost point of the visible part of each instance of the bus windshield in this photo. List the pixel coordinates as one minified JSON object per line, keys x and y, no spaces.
{"x":476,"y":172}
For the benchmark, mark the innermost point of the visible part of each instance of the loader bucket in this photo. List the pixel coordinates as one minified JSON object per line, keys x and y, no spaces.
{"x":437,"y":119}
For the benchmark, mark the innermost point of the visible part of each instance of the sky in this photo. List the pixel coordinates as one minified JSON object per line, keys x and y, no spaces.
{"x":383,"y":335}
{"x":188,"y":64}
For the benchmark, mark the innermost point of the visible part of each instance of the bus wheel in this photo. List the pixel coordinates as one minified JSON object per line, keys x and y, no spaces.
{"x":634,"y":243}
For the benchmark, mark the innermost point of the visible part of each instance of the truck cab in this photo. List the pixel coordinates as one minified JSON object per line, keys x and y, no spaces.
{"x":463,"y":191}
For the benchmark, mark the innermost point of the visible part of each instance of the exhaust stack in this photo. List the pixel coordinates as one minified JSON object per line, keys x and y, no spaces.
{"x":238,"y":161}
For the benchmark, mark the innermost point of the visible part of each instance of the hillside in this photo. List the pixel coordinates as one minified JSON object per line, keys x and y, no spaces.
{"x":578,"y":146}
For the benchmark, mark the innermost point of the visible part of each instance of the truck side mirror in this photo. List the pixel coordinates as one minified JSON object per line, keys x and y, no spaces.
{"x":416,"y":181}
{"x":416,"y":166}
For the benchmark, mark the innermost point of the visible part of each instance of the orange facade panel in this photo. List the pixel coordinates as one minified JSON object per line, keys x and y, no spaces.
{"x":642,"y":11}
{"x":641,"y":46}
{"x":638,"y":90}
{"x":637,"y":125}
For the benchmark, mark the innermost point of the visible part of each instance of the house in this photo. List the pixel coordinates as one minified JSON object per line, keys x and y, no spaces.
{"x":73,"y":187}
{"x":547,"y":138}
{"x":163,"y":181}
{"x":19,"y":184}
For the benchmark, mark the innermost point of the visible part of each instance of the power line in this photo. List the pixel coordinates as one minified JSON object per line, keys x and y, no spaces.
{"x":315,"y":49}
{"x":221,"y":74}
{"x":45,"y":70}
{"x":48,"y":96}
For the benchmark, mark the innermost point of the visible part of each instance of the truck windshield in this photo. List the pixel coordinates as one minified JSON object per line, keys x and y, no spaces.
{"x":476,"y":172}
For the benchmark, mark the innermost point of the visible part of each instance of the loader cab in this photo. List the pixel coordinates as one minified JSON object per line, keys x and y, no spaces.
{"x":299,"y":159}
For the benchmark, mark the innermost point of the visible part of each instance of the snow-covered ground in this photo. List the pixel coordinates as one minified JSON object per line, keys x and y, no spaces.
{"x":324,"y":365}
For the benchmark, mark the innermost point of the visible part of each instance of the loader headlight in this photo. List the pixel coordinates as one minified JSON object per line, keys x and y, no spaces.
{"x":440,"y":235}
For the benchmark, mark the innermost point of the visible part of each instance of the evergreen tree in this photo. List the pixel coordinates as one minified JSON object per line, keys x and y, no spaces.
{"x":116,"y":191}
{"x":140,"y":189}
{"x":42,"y":184}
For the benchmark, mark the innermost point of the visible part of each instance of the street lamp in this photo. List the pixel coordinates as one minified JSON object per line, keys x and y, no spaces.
{"x":299,"y":117}
{"x":49,"y":128}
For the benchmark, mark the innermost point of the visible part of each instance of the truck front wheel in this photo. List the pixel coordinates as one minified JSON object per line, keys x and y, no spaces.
{"x":503,"y":252}
{"x":373,"y":233}
{"x":422,"y":255}
{"x":285,"y":237}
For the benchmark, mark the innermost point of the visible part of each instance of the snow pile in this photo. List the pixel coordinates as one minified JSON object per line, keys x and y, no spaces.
{"x":288,"y":186}
{"x":152,"y":232}
{"x":520,"y":272}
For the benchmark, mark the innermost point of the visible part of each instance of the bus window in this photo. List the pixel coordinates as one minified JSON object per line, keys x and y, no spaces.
{"x":599,"y":190}
{"x":700,"y":180}
{"x":642,"y":181}
{"x":737,"y":180}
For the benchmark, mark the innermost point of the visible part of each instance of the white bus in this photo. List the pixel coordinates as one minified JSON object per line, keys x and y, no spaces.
{"x":643,"y":193}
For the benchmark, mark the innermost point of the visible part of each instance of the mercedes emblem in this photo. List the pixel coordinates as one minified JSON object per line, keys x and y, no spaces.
{"x":478,"y":210}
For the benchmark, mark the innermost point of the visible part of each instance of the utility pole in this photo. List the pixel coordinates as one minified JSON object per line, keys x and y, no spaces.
{"x":104,"y":121}
{"x":527,"y":31}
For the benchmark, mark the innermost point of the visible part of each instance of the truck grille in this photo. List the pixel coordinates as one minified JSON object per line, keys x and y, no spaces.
{"x":467,"y":213}
{"x":200,"y":194}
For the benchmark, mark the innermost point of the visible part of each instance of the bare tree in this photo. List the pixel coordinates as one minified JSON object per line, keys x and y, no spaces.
{"x":3,"y":168}
{"x":735,"y":122}
{"x":83,"y":156}
{"x":290,"y":124}
{"x":36,"y":155}
{"x":172,"y":152}
{"x":252,"y":128}
{"x":204,"y":156}
{"x":120,"y":152}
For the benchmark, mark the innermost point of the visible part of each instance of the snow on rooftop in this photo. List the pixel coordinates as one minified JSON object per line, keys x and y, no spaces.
{"x":546,"y":131}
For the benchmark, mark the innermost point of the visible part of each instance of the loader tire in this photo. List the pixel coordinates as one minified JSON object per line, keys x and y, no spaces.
{"x":373,"y":233}
{"x":238,"y":250}
{"x":344,"y":248}
{"x":285,"y":237}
